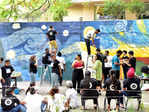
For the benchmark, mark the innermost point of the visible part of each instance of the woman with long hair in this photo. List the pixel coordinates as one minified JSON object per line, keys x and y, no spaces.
{"x":77,"y":74}
{"x":33,"y":68}
{"x":97,"y":69}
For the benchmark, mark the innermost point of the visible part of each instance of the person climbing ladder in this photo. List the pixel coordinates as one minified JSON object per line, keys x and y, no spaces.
{"x":51,"y":34}
{"x":90,"y":36}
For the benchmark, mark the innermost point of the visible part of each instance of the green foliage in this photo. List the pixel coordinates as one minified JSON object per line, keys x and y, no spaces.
{"x":137,"y":7}
{"x":13,"y":10}
{"x":59,"y":9}
{"x":114,"y":8}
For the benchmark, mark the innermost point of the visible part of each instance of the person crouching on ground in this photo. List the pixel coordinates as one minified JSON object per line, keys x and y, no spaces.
{"x":33,"y":100}
{"x":71,"y":96}
{"x":54,"y":102}
{"x":11,"y":103}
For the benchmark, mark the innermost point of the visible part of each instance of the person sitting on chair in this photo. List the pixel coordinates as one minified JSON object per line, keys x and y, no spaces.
{"x":113,"y":87}
{"x":131,"y":86}
{"x":89,"y":89}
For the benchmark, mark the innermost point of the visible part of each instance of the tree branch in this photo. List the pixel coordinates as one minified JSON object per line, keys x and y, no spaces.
{"x":36,"y":9}
{"x":12,"y":7}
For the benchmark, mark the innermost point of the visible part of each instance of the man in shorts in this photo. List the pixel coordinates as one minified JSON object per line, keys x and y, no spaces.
{"x":51,"y":34}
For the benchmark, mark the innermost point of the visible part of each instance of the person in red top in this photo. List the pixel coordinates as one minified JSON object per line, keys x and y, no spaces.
{"x":77,"y":74}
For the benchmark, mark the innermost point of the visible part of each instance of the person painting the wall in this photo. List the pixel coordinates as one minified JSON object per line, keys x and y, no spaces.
{"x":90,"y":35}
{"x":51,"y":34}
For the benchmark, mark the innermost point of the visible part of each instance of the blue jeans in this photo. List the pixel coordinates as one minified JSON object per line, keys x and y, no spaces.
{"x":5,"y":85}
{"x":54,"y":79}
{"x":43,"y":107}
{"x":16,"y":109}
{"x":33,"y":77}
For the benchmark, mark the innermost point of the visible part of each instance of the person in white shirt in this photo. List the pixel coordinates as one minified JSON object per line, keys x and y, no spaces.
{"x":90,"y":35}
{"x":108,"y":64}
{"x":33,"y":100}
{"x":72,"y":100}
{"x":62,"y":65}
{"x":54,"y":102}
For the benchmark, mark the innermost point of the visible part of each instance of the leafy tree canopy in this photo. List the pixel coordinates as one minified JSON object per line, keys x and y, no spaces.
{"x":13,"y":10}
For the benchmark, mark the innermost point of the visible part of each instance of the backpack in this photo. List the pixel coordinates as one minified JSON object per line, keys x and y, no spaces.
{"x":8,"y":103}
{"x":45,"y":59}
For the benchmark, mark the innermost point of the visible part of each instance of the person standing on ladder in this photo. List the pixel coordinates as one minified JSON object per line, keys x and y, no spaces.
{"x":90,"y":35}
{"x":51,"y":34}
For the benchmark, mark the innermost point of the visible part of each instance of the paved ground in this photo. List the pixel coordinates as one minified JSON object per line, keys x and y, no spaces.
{"x":132,"y":103}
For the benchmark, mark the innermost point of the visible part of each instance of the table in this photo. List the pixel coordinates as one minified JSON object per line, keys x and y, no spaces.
{"x":144,"y":80}
{"x":14,"y":76}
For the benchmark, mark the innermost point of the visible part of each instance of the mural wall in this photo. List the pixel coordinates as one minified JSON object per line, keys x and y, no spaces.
{"x":19,"y":41}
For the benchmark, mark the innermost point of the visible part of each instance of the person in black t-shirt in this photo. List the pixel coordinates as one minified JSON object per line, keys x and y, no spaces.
{"x":56,"y":71}
{"x":131,"y":86}
{"x":89,"y":89}
{"x":102,"y":58}
{"x":132,"y":59}
{"x":11,"y":103}
{"x":33,"y":68}
{"x":125,"y":66}
{"x":6,"y":70}
{"x":113,"y":88}
{"x":46,"y":58}
{"x":51,"y":34}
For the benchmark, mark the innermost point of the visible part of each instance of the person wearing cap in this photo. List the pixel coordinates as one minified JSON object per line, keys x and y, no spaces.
{"x":72,"y":100}
{"x":89,"y":89}
{"x":131,"y":86}
{"x":5,"y":78}
{"x":90,"y":35}
{"x":11,"y":103}
{"x":51,"y":34}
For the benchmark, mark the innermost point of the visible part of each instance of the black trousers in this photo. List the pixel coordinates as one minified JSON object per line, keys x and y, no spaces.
{"x":77,"y":76}
{"x":5,"y":85}
{"x":95,"y":100}
{"x":106,"y":72}
{"x":61,"y":78}
{"x":125,"y":70}
{"x":118,"y":97}
{"x":117,"y":74}
{"x":87,"y":41}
